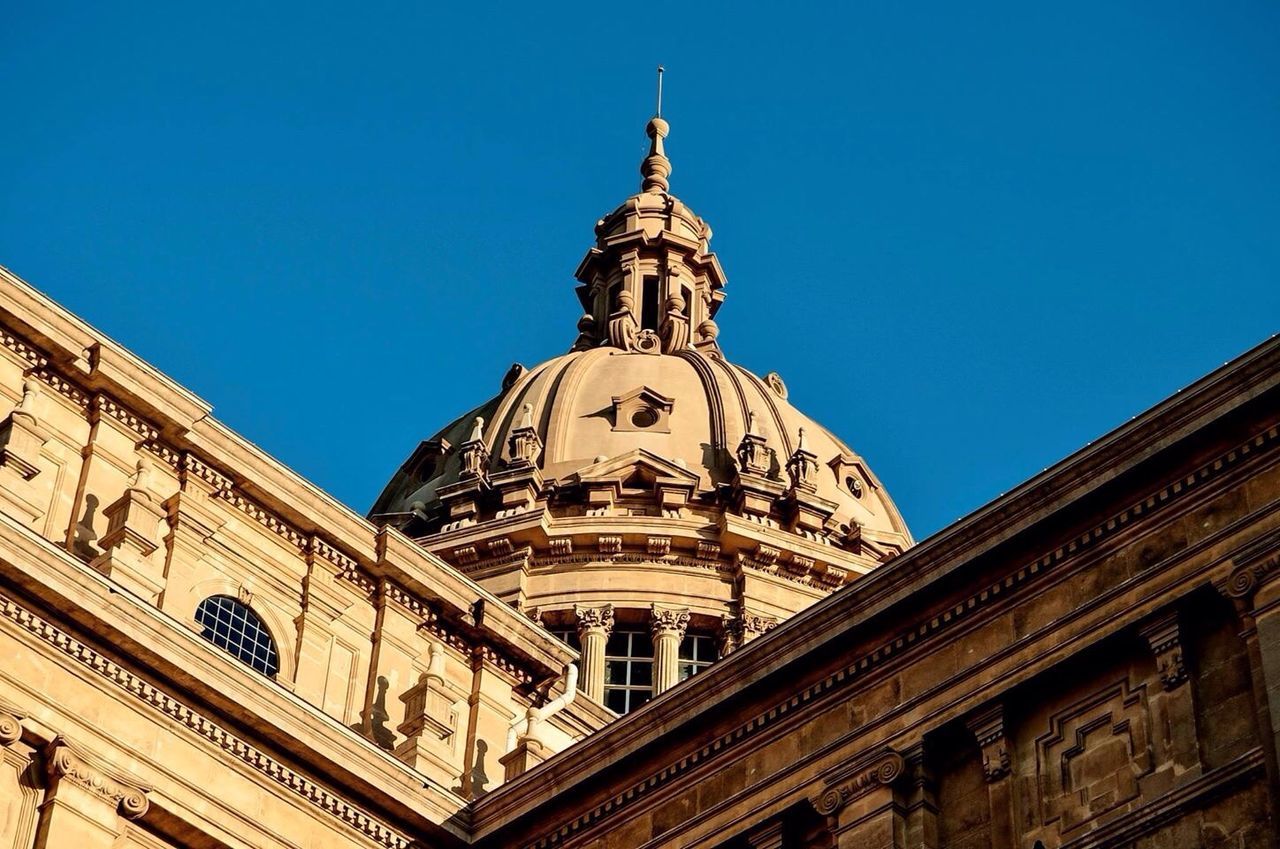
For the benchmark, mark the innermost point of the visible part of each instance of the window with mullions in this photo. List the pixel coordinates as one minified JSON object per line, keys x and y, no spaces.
{"x":628,"y":670}
{"x":697,"y":652}
{"x":568,"y":637}
{"x":237,"y":630}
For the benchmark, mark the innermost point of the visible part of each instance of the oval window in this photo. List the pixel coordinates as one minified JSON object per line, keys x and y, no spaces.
{"x":644,"y":417}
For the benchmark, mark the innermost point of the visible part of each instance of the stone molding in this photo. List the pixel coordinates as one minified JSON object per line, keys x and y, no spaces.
{"x":987,"y":726}
{"x":224,"y":487}
{"x":65,"y":762}
{"x":204,"y":727}
{"x":925,"y":630}
{"x":876,"y":769}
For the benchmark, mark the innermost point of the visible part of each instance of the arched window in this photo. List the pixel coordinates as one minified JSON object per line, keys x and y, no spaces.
{"x":236,"y":629}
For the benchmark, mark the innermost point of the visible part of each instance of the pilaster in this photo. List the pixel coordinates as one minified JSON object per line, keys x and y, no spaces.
{"x":85,"y":805}
{"x":1172,"y":710}
{"x":988,"y":728}
{"x":862,"y":803}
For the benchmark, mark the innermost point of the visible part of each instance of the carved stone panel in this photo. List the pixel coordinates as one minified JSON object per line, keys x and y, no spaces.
{"x":1091,"y":759}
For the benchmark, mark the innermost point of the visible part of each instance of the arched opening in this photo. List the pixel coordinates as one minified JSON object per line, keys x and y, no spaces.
{"x":233,"y":627}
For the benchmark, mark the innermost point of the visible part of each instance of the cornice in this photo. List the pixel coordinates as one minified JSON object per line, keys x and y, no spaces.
{"x":772,"y":652}
{"x":172,"y":443}
{"x":68,"y":763}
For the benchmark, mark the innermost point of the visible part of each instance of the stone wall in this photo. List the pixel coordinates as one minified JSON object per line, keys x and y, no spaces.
{"x":1089,"y":661}
{"x":123,"y":506}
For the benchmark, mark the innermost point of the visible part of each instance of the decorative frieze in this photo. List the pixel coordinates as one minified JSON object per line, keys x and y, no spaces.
{"x":560,"y":546}
{"x":104,"y":405}
{"x":610,"y":545}
{"x":255,"y":758}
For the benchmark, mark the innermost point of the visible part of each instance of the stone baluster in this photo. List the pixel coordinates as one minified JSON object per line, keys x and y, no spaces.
{"x":595,"y":624}
{"x":668,"y":626}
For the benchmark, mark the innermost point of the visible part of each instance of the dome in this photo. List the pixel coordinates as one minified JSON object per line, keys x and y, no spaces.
{"x":641,"y":496}
{"x":689,"y":409}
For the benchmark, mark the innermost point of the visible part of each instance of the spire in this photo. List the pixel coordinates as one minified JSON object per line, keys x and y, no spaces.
{"x":650,"y":284}
{"x":656,"y":168}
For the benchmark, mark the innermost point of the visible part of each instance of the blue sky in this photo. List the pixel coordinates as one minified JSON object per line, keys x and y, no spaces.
{"x":971,"y":237}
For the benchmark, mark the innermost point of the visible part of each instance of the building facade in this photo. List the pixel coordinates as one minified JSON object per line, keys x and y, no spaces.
{"x":635,"y":599}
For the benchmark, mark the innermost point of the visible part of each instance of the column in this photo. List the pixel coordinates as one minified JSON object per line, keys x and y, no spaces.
{"x":84,"y":804}
{"x":594,"y":626}
{"x":668,"y":626}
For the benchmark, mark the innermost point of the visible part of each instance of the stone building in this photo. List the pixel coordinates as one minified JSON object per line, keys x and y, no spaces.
{"x":634,"y":599}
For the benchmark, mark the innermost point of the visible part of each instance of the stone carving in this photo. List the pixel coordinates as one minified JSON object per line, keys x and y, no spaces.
{"x":622,"y":322}
{"x":658,"y":546}
{"x":753,"y":452}
{"x":525,"y":444}
{"x":474,"y":454}
{"x":774,"y":381}
{"x":21,"y":434}
{"x":610,"y":544}
{"x":879,"y":769}
{"x":1166,"y":644}
{"x":597,"y":618}
{"x":667,"y":620}
{"x":66,"y":764}
{"x":988,"y":728}
{"x":513,"y":375}
{"x":802,"y":466}
{"x":588,"y":333}
{"x":10,"y":728}
{"x":674,"y":331}
{"x":1093,"y":755}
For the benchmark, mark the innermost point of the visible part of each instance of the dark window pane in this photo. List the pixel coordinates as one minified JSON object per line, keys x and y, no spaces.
{"x":641,"y":674}
{"x":616,"y":700}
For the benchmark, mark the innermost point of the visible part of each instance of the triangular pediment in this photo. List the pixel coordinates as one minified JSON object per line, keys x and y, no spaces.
{"x":635,"y":464}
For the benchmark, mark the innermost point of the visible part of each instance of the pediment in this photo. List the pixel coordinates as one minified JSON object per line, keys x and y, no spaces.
{"x":636,"y":463}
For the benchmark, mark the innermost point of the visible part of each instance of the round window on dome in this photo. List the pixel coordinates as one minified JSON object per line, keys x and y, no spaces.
{"x":644,"y":417}
{"x":853,"y":485}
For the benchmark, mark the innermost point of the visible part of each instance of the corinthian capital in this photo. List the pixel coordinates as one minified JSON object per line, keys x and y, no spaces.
{"x":668,"y":620}
{"x":598,"y":618}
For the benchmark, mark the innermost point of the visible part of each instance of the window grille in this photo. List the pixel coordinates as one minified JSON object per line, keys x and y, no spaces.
{"x":237,"y":630}
{"x":697,"y":652}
